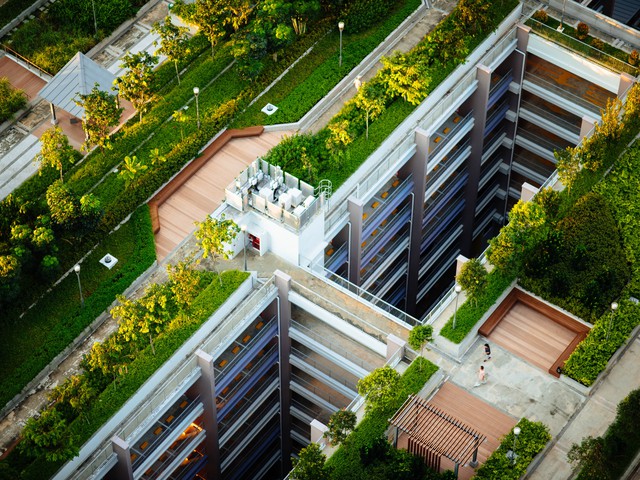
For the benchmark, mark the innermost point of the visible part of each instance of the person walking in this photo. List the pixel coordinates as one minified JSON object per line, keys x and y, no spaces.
{"x":487,"y":351}
{"x":482,"y":377}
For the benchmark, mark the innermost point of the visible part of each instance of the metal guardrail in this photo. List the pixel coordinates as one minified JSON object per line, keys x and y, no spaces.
{"x":576,"y":46}
{"x":41,"y":72}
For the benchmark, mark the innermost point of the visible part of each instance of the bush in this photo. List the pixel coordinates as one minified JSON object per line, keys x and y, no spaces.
{"x":346,"y":462}
{"x":592,"y":355}
{"x":633,"y":57}
{"x":541,"y":16}
{"x":11,"y":99}
{"x":532,"y":440}
{"x":597,"y":43}
{"x":582,"y":32}
{"x":469,"y":314}
{"x":361,"y":14}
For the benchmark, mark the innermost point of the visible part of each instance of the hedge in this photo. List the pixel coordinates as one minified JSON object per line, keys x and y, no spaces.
{"x":28,"y":344}
{"x":140,"y":369}
{"x":345,"y":462}
{"x":470,"y":313}
{"x":592,"y":355}
{"x":317,"y":73}
{"x":531,"y":441}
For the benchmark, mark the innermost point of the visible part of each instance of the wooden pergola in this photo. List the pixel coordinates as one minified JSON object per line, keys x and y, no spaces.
{"x":433,"y":434}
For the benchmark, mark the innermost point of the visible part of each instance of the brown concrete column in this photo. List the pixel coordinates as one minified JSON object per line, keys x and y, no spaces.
{"x":123,"y":468}
{"x":356,"y":209}
{"x":418,"y":168}
{"x":283,"y":284}
{"x":206,"y":389}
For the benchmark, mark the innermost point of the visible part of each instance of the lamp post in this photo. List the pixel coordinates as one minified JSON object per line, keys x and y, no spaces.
{"x":196,"y":92}
{"x":341,"y":28}
{"x":511,"y":454}
{"x":244,"y":245}
{"x":458,"y":289}
{"x":77,"y":270}
{"x":614,"y":307}
{"x":95,"y":22}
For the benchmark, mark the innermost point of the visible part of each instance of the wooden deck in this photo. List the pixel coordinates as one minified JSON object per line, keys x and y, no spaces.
{"x":532,"y":336}
{"x":204,"y":191}
{"x":534,"y":330}
{"x":478,"y":415}
{"x":20,"y":77}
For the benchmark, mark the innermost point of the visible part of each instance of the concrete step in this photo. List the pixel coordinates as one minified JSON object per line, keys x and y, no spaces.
{"x":16,"y":153}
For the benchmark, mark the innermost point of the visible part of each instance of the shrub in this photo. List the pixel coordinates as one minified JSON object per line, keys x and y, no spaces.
{"x":541,"y":16}
{"x":361,"y":14}
{"x":468,"y":314}
{"x":597,"y":43}
{"x":532,"y":440}
{"x":11,"y":99}
{"x":582,"y":32}
{"x":633,"y":57}
{"x":473,"y":279}
{"x":591,"y":355}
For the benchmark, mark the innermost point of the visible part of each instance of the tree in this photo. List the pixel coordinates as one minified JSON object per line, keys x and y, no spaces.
{"x":473,"y":279}
{"x":568,"y":163}
{"x":173,"y":42}
{"x":380,"y":388}
{"x":144,"y":316}
{"x":406,"y":76}
{"x":56,"y":150}
{"x":135,"y":85}
{"x":590,"y":459}
{"x":11,"y":99}
{"x":301,"y":12}
{"x":131,"y":169}
{"x":183,"y":282}
{"x":340,"y":425}
{"x":208,"y":17}
{"x":48,"y":436}
{"x":10,"y":269}
{"x":419,"y":336}
{"x":371,"y":98}
{"x":215,"y":237}
{"x":310,"y":464}
{"x":101,"y":113}
{"x":70,"y":213}
{"x":180,"y":117}
{"x":527,"y":227}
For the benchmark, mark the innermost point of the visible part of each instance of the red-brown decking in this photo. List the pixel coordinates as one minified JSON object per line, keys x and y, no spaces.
{"x":478,"y":415}
{"x":20,"y":77}
{"x":534,"y":331}
{"x":199,"y":189}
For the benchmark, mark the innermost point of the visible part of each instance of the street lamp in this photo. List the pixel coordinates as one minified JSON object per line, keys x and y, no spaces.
{"x":458,"y":289}
{"x":341,"y":28}
{"x":95,"y":22}
{"x":196,"y":92}
{"x":511,"y":454}
{"x":77,"y":270}
{"x":614,"y":307}
{"x":244,"y":245}
{"x":561,"y":26}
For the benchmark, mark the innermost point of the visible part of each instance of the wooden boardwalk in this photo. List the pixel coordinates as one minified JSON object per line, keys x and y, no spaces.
{"x":21,"y":78}
{"x":532,"y":336}
{"x":478,"y":415}
{"x":204,"y":191}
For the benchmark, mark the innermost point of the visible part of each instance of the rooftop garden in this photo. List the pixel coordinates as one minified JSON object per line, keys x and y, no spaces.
{"x":381,"y":104}
{"x":578,"y":248}
{"x":366,"y":453}
{"x":150,"y":330}
{"x":39,"y":241}
{"x":579,"y":40}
